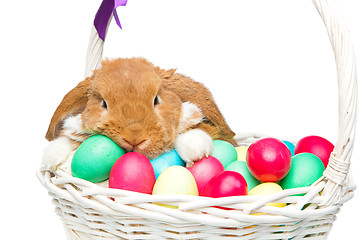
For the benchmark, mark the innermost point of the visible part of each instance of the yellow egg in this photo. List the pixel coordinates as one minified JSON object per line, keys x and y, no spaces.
{"x":267,"y":189}
{"x":175,"y":180}
{"x":241,"y":152}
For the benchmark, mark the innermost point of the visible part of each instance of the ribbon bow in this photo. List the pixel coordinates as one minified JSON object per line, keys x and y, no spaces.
{"x":103,"y":15}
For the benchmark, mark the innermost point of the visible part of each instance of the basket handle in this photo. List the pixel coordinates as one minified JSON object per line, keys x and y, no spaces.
{"x":339,"y":163}
{"x":103,"y":17}
{"x":337,"y":171}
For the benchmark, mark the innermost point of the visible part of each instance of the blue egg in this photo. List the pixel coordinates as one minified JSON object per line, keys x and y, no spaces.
{"x":166,"y":160}
{"x":290,"y":146}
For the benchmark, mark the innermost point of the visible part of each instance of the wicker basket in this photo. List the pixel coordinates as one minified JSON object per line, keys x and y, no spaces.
{"x":89,"y":211}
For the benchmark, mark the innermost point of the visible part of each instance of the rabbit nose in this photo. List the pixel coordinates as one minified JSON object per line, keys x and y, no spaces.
{"x":132,"y":144}
{"x":132,"y":136}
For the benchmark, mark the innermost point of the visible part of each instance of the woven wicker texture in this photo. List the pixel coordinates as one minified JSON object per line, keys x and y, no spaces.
{"x":90,"y":211}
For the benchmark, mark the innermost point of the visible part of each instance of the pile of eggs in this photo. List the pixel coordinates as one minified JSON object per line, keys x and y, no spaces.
{"x":267,"y":166}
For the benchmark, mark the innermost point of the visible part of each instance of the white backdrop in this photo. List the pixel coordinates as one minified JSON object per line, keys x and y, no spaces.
{"x":269,"y":65}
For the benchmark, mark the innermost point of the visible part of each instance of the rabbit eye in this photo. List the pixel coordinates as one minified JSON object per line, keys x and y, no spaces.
{"x":156,"y":100}
{"x":104,"y":104}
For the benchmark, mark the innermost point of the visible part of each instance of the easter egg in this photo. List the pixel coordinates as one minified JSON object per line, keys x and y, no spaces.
{"x":225,"y":184}
{"x":290,"y":146}
{"x":166,"y":160}
{"x":269,"y":188}
{"x":175,"y":180}
{"x":224,"y":152}
{"x":316,"y":145}
{"x":268,"y":159}
{"x":241,"y":153}
{"x":94,"y":158}
{"x":305,"y":169}
{"x":205,"y":169}
{"x":241,"y":167}
{"x":133,"y":172}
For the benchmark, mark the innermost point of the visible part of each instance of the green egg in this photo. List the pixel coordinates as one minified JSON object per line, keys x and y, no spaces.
{"x":241,"y":167}
{"x":94,"y":158}
{"x":305,"y":169}
{"x":224,"y":152}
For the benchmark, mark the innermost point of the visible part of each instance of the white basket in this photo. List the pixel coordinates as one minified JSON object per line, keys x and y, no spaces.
{"x":89,"y":211}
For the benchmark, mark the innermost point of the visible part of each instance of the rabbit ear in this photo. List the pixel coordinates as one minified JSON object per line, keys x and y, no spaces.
{"x":196,"y":93}
{"x":73,"y":102}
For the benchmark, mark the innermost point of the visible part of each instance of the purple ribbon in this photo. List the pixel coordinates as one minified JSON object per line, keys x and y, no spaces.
{"x":103,"y":15}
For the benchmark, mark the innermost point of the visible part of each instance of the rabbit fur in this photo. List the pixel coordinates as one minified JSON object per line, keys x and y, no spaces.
{"x":140,"y":107}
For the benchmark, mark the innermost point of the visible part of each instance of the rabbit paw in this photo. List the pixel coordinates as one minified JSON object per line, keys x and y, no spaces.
{"x":56,"y":153}
{"x":193,"y":145}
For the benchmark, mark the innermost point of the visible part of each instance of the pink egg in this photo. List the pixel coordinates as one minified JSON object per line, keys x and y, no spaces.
{"x":133,"y":172}
{"x":316,"y":145}
{"x":225,"y":184}
{"x":268,"y":159}
{"x":205,"y":169}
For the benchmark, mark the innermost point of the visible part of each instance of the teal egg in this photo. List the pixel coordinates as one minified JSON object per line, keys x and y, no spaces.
{"x":94,"y":158}
{"x":241,"y":167}
{"x":224,"y":152}
{"x":166,"y":160}
{"x":290,"y":146}
{"x":305,"y":169}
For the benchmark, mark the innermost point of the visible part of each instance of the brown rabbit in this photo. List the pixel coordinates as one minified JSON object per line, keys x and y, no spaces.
{"x":140,"y":107}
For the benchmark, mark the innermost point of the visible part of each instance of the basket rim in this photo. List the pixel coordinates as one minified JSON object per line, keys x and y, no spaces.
{"x":100,"y":198}
{"x":61,"y":184}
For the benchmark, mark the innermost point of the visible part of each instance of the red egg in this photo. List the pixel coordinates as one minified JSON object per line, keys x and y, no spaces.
{"x":205,"y":169}
{"x":133,"y":172}
{"x":225,"y":184}
{"x":268,"y":159}
{"x":316,"y":145}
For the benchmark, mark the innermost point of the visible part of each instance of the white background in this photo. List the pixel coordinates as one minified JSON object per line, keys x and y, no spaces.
{"x":269,"y":65}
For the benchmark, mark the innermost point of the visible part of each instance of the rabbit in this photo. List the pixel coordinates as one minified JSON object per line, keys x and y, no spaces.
{"x":142,"y":108}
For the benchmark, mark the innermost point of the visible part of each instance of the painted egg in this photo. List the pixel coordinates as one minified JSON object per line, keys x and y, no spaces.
{"x":305,"y":169}
{"x":133,"y":172}
{"x":166,"y":160}
{"x":241,"y":153}
{"x":268,"y":159}
{"x":290,"y":146}
{"x":316,"y":145}
{"x":175,"y":180}
{"x":224,"y":152}
{"x":241,"y":167}
{"x":225,"y":184}
{"x":94,"y":158}
{"x":264,"y":189}
{"x":205,"y":169}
